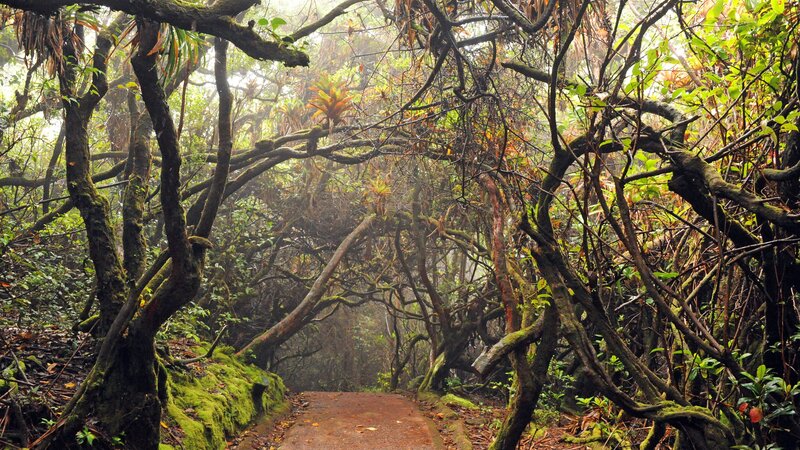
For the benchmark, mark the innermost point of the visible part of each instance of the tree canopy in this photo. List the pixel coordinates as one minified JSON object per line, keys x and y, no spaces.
{"x":574,"y":206}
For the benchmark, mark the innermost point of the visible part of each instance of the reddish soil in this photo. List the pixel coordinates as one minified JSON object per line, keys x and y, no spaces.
{"x":267,"y":434}
{"x":360,"y":420}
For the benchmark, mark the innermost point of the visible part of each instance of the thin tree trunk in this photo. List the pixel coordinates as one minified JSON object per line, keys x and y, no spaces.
{"x":48,"y":176}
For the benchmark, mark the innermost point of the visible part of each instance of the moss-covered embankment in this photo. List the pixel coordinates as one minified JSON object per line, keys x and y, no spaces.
{"x":215,"y":399}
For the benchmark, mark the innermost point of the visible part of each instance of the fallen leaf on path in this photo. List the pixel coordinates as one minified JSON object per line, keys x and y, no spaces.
{"x":69,"y":385}
{"x":315,"y":424}
{"x":372,"y":429}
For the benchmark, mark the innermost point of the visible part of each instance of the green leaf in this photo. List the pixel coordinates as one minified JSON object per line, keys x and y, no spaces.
{"x":715,"y":11}
{"x":277,"y":22}
{"x":263,"y":22}
{"x":778,"y":6}
{"x":768,"y":131}
{"x":665,"y":275}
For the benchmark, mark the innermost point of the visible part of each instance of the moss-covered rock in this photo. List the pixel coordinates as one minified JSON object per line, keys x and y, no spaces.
{"x":454,"y":400}
{"x":216,"y":401}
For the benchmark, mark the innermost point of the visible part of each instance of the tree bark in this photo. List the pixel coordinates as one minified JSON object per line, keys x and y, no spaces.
{"x":134,"y":243}
{"x":94,"y":208}
{"x":205,"y":19}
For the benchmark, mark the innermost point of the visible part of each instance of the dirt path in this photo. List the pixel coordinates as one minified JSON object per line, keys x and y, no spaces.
{"x":360,"y":420}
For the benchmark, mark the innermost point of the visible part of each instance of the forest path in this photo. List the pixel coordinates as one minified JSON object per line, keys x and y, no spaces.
{"x":360,"y":420}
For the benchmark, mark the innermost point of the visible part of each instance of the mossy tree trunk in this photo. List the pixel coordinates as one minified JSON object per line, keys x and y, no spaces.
{"x":124,"y":395}
{"x":121,"y":392}
{"x":437,"y":373}
{"x":94,"y":208}
{"x":530,"y":379}
{"x":137,"y":172}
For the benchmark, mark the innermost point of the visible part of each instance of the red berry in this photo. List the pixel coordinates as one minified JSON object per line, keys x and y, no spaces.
{"x":756,"y":415}
{"x":743,"y":407}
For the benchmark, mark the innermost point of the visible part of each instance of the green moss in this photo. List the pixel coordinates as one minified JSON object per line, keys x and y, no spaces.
{"x":87,"y":324}
{"x":454,"y":400}
{"x":452,"y":421}
{"x":217,"y":403}
{"x":537,"y":432}
{"x":427,"y":382}
{"x":598,"y":438}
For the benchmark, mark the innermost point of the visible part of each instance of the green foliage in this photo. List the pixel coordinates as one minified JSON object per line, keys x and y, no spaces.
{"x":598,"y":402}
{"x":118,"y":441}
{"x":48,"y":283}
{"x":179,"y":48}
{"x":766,"y":398}
{"x":187,"y":323}
{"x":272,"y":26}
{"x":382,"y":384}
{"x":504,"y":388}
{"x":707,"y":368}
{"x":451,"y":383}
{"x":559,"y":381}
{"x":85,"y":436}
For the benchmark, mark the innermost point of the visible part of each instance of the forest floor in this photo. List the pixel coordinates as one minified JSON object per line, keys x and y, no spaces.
{"x":379,"y":421}
{"x":56,"y":360}
{"x":479,"y":426}
{"x":43,"y":367}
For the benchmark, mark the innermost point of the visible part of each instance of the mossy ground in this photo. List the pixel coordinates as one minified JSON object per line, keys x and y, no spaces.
{"x":454,"y":400}
{"x":214,"y":400}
